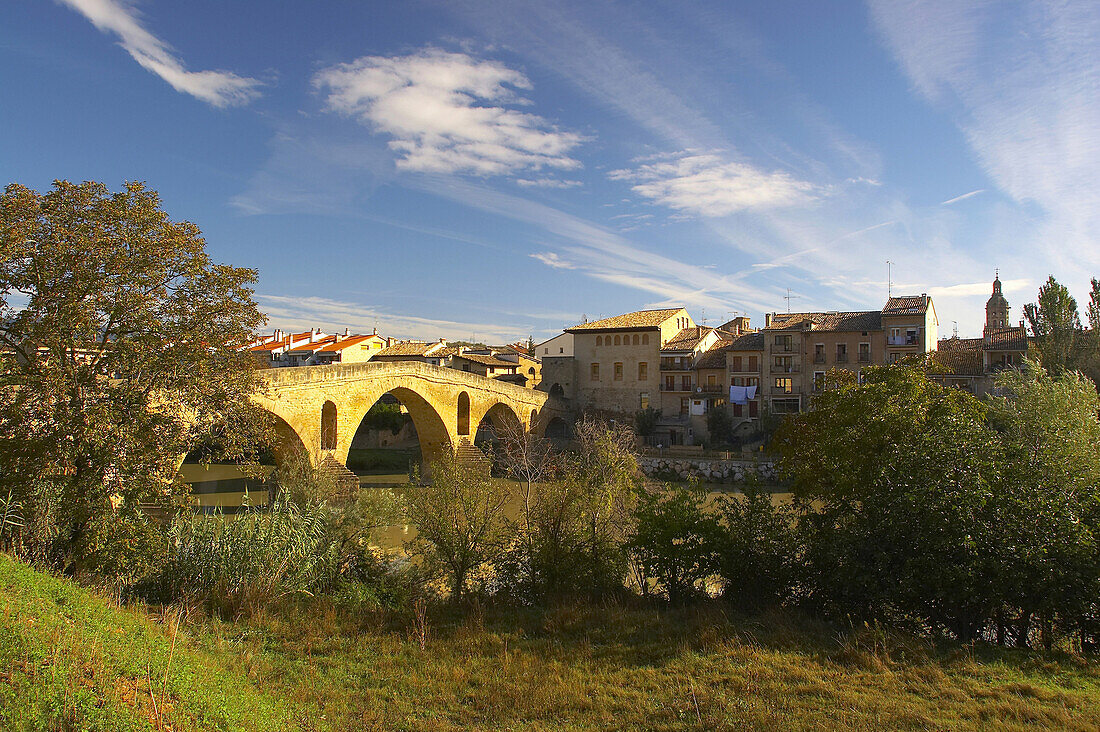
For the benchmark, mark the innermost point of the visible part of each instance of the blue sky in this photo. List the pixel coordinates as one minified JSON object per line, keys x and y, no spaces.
{"x":499,"y":170}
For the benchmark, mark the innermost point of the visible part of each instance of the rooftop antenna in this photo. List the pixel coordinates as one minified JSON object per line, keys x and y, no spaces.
{"x":788,"y":298}
{"x":889,"y":279}
{"x":955,"y":329}
{"x":703,"y":313}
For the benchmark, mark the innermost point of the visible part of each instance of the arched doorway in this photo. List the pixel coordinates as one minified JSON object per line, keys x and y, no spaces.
{"x":557,"y":391}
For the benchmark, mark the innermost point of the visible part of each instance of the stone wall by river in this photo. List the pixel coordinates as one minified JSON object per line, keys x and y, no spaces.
{"x":709,"y":471}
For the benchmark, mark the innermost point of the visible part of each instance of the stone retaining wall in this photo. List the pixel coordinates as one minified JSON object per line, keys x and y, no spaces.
{"x":708,"y":471}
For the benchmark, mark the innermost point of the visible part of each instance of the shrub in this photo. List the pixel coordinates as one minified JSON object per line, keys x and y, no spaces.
{"x":756,"y":550}
{"x":675,"y":540}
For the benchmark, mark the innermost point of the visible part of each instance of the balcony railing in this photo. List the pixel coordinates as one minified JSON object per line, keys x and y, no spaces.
{"x":676,"y":387}
{"x":905,"y":340}
{"x":712,"y":388}
{"x":781,"y":348}
{"x":677,"y":366}
{"x":744,"y":370}
{"x":794,"y":368}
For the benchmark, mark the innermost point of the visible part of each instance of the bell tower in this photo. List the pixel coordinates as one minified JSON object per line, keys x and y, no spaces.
{"x":996,"y":309}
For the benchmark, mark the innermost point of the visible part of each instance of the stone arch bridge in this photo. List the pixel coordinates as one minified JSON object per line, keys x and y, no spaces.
{"x":321,"y":407}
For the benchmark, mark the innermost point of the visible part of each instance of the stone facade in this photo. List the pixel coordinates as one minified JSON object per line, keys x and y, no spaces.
{"x":709,"y":471}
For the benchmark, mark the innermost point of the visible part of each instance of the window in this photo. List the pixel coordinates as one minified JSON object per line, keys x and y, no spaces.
{"x":645,"y":339}
{"x":712,"y":380}
{"x":752,"y":381}
{"x":785,"y":406}
{"x":752,"y":363}
{"x":783,"y":343}
{"x":618,"y":371}
{"x":670,"y":383}
{"x":864,"y":352}
{"x":753,"y":409}
{"x":842,"y":353}
{"x":783,"y":364}
{"x":735,"y":381}
{"x":599,"y":341}
{"x":819,"y":381}
{"x":635,"y":339}
{"x":618,"y":341}
{"x":595,"y":372}
{"x":684,"y":405}
{"x":561,"y":350}
{"x":786,"y":386}
{"x":685,"y":382}
{"x":819,"y":353}
{"x":545,"y":351}
{"x":736,"y":410}
{"x":643,"y":371}
{"x":735,"y":363}
{"x":643,"y":402}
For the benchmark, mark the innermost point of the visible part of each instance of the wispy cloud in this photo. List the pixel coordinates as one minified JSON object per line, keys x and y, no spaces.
{"x":448,"y":113}
{"x":551,"y":259}
{"x":963,"y":197}
{"x":1022,"y":81}
{"x":303,"y":313}
{"x":548,"y":183}
{"x":219,"y":88}
{"x":707,"y":185}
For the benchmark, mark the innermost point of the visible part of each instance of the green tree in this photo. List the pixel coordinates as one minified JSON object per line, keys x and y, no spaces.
{"x":459,"y":517}
{"x":720,"y":425}
{"x":757,"y":550}
{"x":1049,"y":505}
{"x":675,"y":540}
{"x":1055,"y":325}
{"x":894,"y":479}
{"x":645,"y":421}
{"x":123,"y":342}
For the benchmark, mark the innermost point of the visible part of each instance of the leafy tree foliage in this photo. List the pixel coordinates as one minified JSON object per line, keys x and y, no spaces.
{"x":384,"y":416}
{"x":675,"y":540}
{"x":645,"y":421}
{"x":895,"y":478}
{"x":720,"y":425}
{"x":459,"y":516}
{"x":1048,"y":515}
{"x":757,"y":550}
{"x":122,"y":339}
{"x":1055,"y":325}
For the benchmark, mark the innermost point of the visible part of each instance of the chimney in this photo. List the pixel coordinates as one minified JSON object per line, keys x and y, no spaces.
{"x":375,"y":331}
{"x":768,"y":319}
{"x":346,"y":332}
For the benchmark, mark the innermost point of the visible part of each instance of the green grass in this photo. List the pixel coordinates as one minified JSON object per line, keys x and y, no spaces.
{"x":71,"y":660}
{"x":325,"y":665}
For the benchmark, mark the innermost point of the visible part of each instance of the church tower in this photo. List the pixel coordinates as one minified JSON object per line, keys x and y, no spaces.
{"x":996,"y":310}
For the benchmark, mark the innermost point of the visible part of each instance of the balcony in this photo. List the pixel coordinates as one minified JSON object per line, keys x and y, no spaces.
{"x":793,"y":368}
{"x":904,"y":340}
{"x":712,"y":389}
{"x":676,"y":366}
{"x":677,"y":387}
{"x":754,"y":369}
{"x":782,"y":348}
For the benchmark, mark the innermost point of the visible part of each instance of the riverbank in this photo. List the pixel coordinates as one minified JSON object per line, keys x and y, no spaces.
{"x":73,"y":659}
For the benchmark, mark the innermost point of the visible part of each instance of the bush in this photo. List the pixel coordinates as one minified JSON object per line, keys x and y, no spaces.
{"x":675,"y":540}
{"x":757,"y":550}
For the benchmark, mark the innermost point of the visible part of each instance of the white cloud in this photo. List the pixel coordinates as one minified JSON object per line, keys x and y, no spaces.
{"x":548,"y":183}
{"x":219,"y":88}
{"x":302,"y":313}
{"x":551,"y":259}
{"x":963,"y":197}
{"x":446,"y":113}
{"x":706,"y":185}
{"x":1021,"y":81}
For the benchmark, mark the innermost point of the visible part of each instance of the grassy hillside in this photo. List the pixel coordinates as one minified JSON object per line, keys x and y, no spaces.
{"x":69,"y":659}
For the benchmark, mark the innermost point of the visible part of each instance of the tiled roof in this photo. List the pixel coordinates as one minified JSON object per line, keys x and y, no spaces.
{"x":861,"y":321}
{"x":958,"y":362}
{"x":316,"y":345}
{"x":346,"y":343}
{"x":906,"y":305}
{"x":686,"y":339}
{"x":715,"y":358}
{"x":411,"y":348}
{"x":747,"y":342}
{"x":959,"y":344}
{"x":637,"y":319}
{"x":1008,"y":339}
{"x":484,"y":360}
